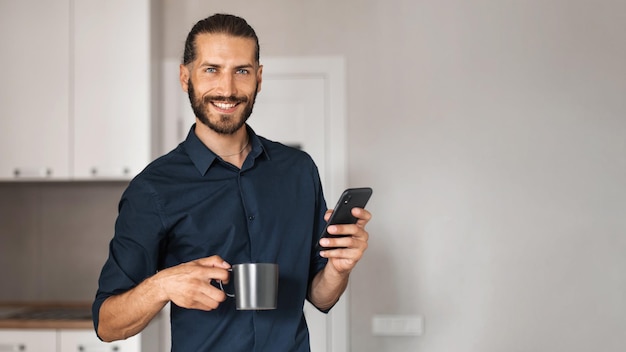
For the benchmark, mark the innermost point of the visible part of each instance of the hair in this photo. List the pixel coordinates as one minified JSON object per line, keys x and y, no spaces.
{"x":219,"y":24}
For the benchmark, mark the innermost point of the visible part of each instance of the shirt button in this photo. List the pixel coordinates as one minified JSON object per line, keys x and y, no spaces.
{"x":251,"y":217}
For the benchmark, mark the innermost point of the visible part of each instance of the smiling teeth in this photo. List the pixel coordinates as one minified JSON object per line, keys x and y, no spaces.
{"x":225,"y":105}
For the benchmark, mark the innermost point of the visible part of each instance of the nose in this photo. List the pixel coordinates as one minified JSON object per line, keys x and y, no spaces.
{"x":226,"y":85}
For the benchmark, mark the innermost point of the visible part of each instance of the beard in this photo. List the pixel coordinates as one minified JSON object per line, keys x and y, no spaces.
{"x":226,"y":124}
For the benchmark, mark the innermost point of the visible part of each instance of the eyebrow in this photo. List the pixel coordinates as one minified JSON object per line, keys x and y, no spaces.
{"x":206,"y":63}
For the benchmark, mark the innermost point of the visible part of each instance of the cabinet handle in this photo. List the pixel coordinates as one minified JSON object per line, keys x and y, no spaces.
{"x":98,"y":348}
{"x":34,"y":172}
{"x":12,"y":347}
{"x":95,"y":172}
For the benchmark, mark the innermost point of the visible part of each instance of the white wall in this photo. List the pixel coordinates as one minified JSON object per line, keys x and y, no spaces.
{"x":494,"y":135}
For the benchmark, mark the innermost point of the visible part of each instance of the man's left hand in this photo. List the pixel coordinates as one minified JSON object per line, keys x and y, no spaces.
{"x":354,"y":243}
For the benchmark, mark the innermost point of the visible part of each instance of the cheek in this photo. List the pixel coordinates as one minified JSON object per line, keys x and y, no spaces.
{"x":249,"y":89}
{"x":203,"y":83}
{"x":202,"y":89}
{"x":246,"y":83}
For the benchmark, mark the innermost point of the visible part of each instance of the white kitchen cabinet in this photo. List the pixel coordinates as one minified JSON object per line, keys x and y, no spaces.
{"x":34,"y":94}
{"x":87,"y":341}
{"x":35,"y":340}
{"x":75,"y":93}
{"x":112,"y":136}
{"x":62,"y":340}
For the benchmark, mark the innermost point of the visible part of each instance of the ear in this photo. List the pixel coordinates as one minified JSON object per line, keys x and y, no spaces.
{"x":259,"y":78}
{"x":184,"y":77}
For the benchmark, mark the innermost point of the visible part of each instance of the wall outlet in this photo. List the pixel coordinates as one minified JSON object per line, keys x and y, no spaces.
{"x":397,"y":325}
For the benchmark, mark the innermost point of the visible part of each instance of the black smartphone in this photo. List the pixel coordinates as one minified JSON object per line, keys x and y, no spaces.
{"x":342,"y":213}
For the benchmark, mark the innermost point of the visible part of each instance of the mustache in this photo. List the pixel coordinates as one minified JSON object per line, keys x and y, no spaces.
{"x":230,"y":99}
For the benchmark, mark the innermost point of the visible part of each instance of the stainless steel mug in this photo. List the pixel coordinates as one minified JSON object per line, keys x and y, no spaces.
{"x":256,"y":286}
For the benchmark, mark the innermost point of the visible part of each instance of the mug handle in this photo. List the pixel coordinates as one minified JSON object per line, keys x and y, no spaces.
{"x":231,"y":295}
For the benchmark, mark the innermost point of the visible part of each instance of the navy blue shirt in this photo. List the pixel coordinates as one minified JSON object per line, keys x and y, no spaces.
{"x":190,"y":204}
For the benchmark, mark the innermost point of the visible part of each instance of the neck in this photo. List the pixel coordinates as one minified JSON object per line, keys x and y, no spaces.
{"x":232,"y":148}
{"x":237,"y":153}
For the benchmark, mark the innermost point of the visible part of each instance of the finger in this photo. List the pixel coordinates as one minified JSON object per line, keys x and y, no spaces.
{"x":363,"y":215}
{"x":213,"y":261}
{"x":196,"y":293}
{"x":207,"y":298}
{"x":209,"y":291}
{"x":340,"y":253}
{"x":196,"y":271}
{"x":327,"y":215}
{"x":217,"y":274}
{"x":353,"y":230}
{"x":343,"y":259}
{"x":358,"y":242}
{"x":215,"y":294}
{"x":332,"y":243}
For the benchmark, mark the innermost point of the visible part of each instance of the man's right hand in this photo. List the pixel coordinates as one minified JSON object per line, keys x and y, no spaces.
{"x":188,"y":285}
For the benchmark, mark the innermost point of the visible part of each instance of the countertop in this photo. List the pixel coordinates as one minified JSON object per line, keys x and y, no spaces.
{"x":48,"y":315}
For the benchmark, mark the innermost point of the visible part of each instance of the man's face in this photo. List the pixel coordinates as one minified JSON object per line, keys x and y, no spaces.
{"x":223,"y":81}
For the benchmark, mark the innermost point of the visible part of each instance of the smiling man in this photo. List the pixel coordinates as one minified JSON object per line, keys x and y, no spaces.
{"x":223,"y":196}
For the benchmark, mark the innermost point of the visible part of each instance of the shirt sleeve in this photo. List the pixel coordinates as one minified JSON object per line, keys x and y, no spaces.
{"x":318,"y":262}
{"x":134,"y":251}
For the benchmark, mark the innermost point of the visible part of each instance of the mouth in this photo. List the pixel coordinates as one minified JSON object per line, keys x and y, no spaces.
{"x":225,"y":107}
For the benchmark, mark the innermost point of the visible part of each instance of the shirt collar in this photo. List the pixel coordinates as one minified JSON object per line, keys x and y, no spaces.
{"x":203,"y":157}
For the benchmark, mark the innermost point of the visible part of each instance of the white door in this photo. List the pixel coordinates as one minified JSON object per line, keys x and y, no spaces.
{"x":302,"y":102}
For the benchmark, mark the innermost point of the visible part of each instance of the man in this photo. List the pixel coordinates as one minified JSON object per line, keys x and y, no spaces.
{"x":224,"y":195}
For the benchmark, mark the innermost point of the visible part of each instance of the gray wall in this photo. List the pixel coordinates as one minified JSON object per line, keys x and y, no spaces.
{"x":494,"y":136}
{"x":54,"y":238}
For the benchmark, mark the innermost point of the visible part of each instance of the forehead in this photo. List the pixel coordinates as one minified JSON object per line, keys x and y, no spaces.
{"x":225,"y":48}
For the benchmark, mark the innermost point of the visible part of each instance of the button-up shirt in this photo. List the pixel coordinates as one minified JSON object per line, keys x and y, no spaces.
{"x":190,"y":204}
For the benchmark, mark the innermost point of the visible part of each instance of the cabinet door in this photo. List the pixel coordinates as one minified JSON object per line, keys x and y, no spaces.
{"x":87,"y":341}
{"x":34,"y":94}
{"x":111,"y":88}
{"x":27,"y":340}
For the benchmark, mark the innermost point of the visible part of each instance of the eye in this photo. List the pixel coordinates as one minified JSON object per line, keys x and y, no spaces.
{"x":243,"y":71}
{"x":210,"y":70}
